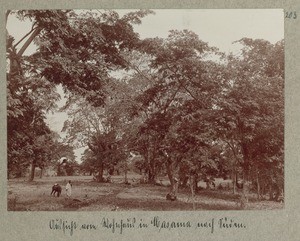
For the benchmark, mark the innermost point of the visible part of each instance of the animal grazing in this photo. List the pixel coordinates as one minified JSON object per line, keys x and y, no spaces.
{"x":56,"y":189}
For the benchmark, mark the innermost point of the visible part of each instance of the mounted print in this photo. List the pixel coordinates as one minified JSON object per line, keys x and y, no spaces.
{"x":145,"y":110}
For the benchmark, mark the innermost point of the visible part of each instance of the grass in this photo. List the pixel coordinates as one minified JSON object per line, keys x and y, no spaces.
{"x":88,"y":195}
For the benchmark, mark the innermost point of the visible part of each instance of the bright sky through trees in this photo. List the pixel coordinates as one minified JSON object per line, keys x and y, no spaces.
{"x":218,"y":27}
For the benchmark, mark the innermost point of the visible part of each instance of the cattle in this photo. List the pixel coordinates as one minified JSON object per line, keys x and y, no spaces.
{"x":56,"y":189}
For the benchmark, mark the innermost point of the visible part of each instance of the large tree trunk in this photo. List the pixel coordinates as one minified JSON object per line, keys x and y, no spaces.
{"x":173,"y":181}
{"x":150,"y":157}
{"x":234,"y":181}
{"x":100,"y":174}
{"x":59,"y":170}
{"x":32,"y":171}
{"x":246,"y":168}
{"x":151,"y":175}
{"x":170,"y":175}
{"x":244,"y":195}
{"x":151,"y":167}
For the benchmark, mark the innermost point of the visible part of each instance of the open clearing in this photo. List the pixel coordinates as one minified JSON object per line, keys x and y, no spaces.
{"x":88,"y":195}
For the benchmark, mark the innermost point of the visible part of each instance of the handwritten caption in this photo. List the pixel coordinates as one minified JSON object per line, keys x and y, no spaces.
{"x":119,"y":226}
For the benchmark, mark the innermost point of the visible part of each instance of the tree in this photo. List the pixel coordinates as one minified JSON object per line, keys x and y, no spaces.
{"x":181,"y":90}
{"x":74,"y":49}
{"x":28,"y":137}
{"x":63,"y":158}
{"x":89,"y":162}
{"x":252,"y":108}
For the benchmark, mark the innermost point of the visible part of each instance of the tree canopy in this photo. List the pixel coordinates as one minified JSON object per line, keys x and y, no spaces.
{"x":188,"y":111}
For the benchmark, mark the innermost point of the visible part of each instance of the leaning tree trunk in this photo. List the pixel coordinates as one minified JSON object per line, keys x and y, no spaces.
{"x":244,"y":196}
{"x":59,"y":170}
{"x":151,"y":175}
{"x":32,"y":171}
{"x":151,"y":167}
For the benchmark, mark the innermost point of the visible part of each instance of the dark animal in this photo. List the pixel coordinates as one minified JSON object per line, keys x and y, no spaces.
{"x":171,"y":197}
{"x":56,"y":189}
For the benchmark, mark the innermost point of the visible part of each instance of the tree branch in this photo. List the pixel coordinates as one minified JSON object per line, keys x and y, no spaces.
{"x":171,"y":99}
{"x":25,"y":36}
{"x":186,"y":89}
{"x":28,"y":42}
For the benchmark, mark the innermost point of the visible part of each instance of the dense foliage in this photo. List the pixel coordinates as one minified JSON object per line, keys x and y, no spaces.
{"x":182,"y":108}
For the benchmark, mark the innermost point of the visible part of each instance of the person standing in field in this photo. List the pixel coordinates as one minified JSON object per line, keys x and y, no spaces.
{"x":69,"y":189}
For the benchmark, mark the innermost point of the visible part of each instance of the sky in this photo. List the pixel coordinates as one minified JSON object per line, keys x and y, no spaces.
{"x":218,"y":27}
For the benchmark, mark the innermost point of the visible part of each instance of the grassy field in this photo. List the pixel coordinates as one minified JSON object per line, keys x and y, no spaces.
{"x":88,"y":195}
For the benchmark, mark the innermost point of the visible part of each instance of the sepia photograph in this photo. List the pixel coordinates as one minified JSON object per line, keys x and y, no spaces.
{"x":145,"y":110}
